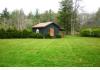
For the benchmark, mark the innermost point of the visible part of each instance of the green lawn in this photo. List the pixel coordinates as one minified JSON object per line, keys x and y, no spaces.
{"x":69,"y":51}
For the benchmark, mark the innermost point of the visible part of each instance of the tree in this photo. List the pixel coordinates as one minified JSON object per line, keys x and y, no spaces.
{"x":30,"y":15}
{"x":37,"y":17}
{"x":45,"y":17}
{"x":93,"y":20}
{"x":5,"y":16}
{"x":22,"y":20}
{"x":97,"y":18}
{"x":30,"y":20}
{"x":18,"y":19}
{"x":65,"y":15}
{"x":52,"y":15}
{"x":68,"y":16}
{"x":75,"y":25}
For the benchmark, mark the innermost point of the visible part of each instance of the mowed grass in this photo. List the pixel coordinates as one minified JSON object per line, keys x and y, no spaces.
{"x":65,"y":52}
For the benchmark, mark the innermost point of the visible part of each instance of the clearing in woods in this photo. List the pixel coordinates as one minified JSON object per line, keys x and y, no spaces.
{"x":69,"y":51}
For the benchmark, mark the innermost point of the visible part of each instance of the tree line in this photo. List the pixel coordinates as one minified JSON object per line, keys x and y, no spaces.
{"x":91,"y":20}
{"x":68,"y":17}
{"x":19,"y":20}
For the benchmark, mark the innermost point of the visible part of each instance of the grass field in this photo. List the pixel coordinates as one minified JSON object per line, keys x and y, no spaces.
{"x":69,"y":51}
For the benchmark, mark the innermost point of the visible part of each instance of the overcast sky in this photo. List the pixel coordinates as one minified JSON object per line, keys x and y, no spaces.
{"x":30,"y":5}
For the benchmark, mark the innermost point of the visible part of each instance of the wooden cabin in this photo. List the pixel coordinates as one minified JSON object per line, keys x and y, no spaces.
{"x":48,"y":28}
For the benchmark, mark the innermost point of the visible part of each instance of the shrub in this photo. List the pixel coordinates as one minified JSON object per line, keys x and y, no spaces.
{"x":58,"y":36}
{"x":2,"y":33}
{"x":90,"y":32}
{"x":86,"y":32}
{"x":12,"y":33}
{"x":47,"y":36}
{"x":96,"y":32}
{"x":37,"y":35}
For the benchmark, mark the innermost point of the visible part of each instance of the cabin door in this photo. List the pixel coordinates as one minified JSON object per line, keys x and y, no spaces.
{"x":52,"y":32}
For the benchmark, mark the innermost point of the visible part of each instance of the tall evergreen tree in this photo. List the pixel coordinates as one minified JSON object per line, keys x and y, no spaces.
{"x":5,"y":16}
{"x":65,"y":15}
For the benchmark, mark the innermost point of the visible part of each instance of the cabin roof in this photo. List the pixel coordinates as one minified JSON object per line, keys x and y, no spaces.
{"x":41,"y":25}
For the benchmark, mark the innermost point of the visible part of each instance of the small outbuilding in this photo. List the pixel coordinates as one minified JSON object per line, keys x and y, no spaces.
{"x":48,"y":28}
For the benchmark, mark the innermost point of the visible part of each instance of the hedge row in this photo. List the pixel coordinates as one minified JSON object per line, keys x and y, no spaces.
{"x":21,"y":34}
{"x":18,"y":34}
{"x":90,"y":32}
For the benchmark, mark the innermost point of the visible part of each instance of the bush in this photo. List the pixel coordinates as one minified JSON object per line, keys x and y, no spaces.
{"x":12,"y":33}
{"x":58,"y":36}
{"x":90,"y":32}
{"x":47,"y":36}
{"x":96,"y":32}
{"x":86,"y":32}
{"x":38,"y":35}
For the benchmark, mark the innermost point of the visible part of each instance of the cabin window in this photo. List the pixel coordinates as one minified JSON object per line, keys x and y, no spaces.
{"x":37,"y":31}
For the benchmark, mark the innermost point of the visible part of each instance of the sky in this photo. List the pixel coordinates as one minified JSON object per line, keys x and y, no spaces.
{"x":89,"y":6}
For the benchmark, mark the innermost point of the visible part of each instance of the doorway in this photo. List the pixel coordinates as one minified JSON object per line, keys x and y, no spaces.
{"x":52,"y":33}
